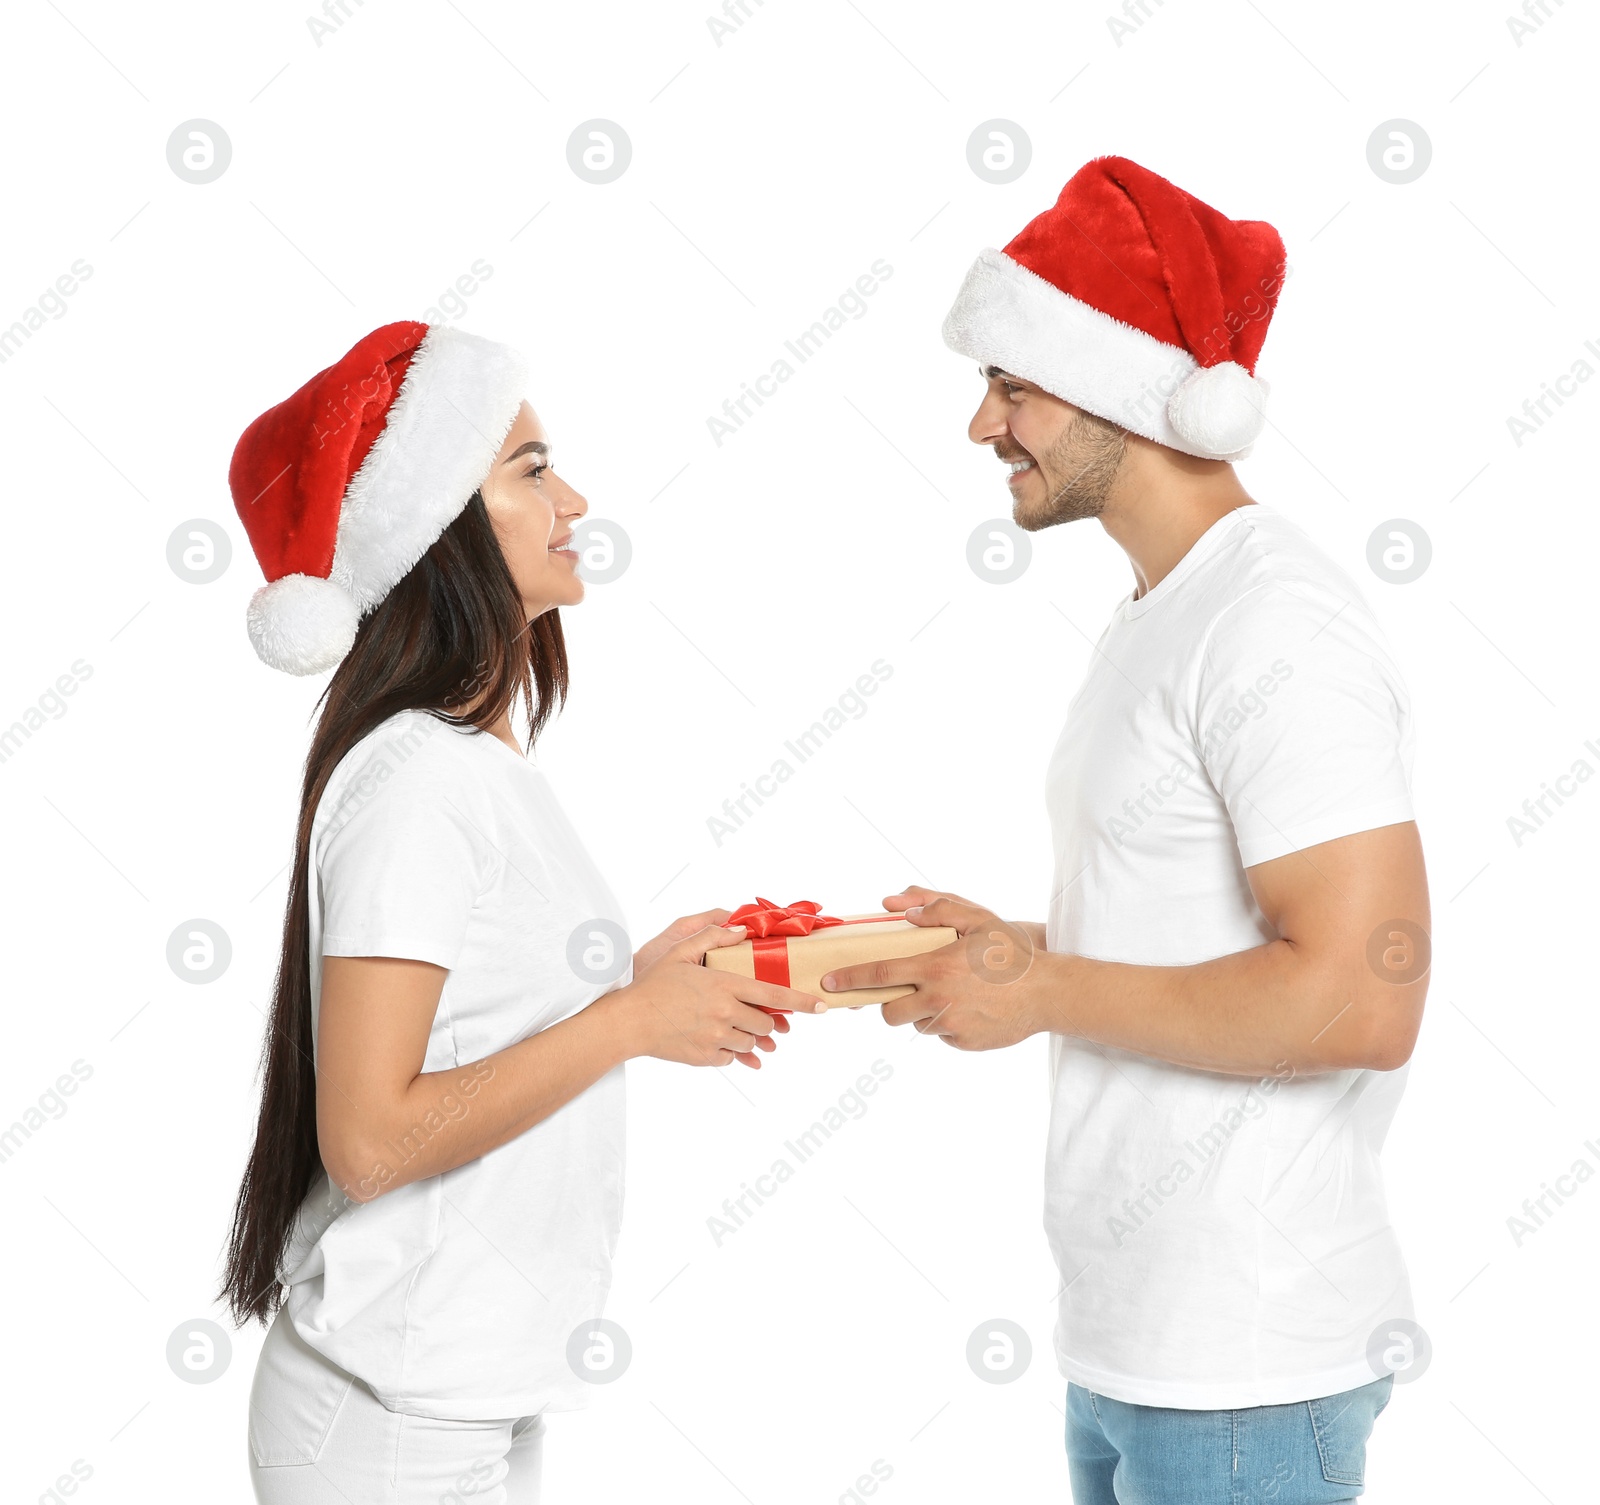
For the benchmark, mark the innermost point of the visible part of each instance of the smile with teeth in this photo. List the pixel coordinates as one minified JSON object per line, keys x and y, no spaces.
{"x":1016,"y":467}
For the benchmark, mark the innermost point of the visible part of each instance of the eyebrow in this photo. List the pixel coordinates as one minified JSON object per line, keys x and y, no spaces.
{"x":991,"y":372}
{"x":533,"y":446}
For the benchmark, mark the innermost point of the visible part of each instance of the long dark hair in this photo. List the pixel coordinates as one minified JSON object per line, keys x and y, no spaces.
{"x":452,"y":638}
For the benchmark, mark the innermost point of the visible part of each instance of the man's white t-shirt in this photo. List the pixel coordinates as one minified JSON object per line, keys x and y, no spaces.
{"x":455,"y":1296}
{"x":1222,"y":1241}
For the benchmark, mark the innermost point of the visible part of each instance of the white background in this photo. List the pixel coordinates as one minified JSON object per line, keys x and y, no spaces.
{"x":768,"y":173}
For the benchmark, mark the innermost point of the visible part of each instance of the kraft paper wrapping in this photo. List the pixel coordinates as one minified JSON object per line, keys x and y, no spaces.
{"x":863,"y":938}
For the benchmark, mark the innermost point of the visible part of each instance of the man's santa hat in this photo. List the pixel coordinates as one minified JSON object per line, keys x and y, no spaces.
{"x":1132,"y":300}
{"x":343,"y":485}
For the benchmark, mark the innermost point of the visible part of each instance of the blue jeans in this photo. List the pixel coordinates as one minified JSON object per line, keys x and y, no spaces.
{"x":1309,"y":1453}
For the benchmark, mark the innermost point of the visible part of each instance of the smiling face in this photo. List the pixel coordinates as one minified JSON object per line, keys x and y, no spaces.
{"x":533,"y":512}
{"x":1062,"y":460}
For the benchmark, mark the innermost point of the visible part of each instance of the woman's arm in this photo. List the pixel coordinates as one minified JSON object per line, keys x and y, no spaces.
{"x":383,"y":1122}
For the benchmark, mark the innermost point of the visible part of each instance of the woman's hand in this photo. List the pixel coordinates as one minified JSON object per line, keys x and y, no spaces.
{"x":678,"y":1010}
{"x":679,"y":930}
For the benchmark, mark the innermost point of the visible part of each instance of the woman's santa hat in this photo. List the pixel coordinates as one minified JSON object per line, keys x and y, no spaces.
{"x":343,"y":486}
{"x":1132,"y":300}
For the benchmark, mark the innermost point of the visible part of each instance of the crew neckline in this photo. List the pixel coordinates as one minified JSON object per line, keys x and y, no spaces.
{"x":1200,"y":550}
{"x":471,"y":732}
{"x":510,"y":752}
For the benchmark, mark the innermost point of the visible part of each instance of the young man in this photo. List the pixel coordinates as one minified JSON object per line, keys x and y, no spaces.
{"x":1235,"y":958}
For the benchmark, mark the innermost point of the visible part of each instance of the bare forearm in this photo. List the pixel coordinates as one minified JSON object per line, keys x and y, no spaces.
{"x":447,"y":1118}
{"x":1246,"y":1014}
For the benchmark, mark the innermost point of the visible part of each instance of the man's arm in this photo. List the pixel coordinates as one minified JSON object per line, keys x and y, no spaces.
{"x":1342,"y":986}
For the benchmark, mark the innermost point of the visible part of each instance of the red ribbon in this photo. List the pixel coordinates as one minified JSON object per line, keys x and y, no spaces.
{"x":764,"y":918}
{"x":769,"y":927}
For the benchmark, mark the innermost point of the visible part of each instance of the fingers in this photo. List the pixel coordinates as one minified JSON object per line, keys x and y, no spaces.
{"x":908,"y":1010}
{"x":752,"y":1019}
{"x":693,"y":948}
{"x":930,"y":906}
{"x":690,"y":923}
{"x":768,"y":995}
{"x":762,"y":1043}
{"x":894,"y":973}
{"x":946,"y":909}
{"x":739,"y":1028}
{"x":740,"y":1045}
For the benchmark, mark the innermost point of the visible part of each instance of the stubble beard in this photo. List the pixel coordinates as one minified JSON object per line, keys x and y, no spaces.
{"x":1080,"y":467}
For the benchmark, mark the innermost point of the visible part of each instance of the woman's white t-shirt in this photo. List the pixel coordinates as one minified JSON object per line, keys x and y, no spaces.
{"x":455,"y":1296}
{"x":1223,"y":1241}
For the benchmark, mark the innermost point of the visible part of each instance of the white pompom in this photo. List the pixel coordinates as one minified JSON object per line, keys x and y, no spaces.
{"x":302,"y":623}
{"x":1219,"y":409}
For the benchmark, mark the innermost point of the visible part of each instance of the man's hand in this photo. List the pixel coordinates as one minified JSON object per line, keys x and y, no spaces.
{"x":978,"y":993}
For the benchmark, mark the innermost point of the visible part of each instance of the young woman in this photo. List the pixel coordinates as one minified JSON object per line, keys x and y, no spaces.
{"x":435,"y":1190}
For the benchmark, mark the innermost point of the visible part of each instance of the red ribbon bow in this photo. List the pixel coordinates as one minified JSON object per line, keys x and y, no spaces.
{"x":769,"y":927}
{"x":764,"y":918}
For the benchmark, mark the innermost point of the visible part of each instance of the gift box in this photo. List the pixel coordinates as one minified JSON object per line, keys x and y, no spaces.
{"x":793,"y":945}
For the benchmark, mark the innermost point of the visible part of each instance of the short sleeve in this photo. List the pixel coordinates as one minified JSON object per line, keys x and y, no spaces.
{"x":403,"y":852}
{"x":1302,"y":719}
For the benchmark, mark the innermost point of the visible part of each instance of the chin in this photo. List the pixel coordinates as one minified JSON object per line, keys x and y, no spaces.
{"x":560,"y":585}
{"x":1033,"y":515}
{"x":1029,"y":515}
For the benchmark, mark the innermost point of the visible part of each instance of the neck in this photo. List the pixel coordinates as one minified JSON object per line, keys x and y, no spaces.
{"x":1162,"y":502}
{"x":502,"y":730}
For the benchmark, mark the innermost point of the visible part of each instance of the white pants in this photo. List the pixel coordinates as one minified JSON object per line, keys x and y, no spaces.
{"x":319,"y":1436}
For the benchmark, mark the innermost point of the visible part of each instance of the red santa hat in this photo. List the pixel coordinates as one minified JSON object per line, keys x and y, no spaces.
{"x":1132,"y":300}
{"x":344,"y":484}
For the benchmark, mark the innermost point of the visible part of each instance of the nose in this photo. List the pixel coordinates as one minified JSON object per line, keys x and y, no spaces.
{"x":989,"y":424}
{"x":571,"y":503}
